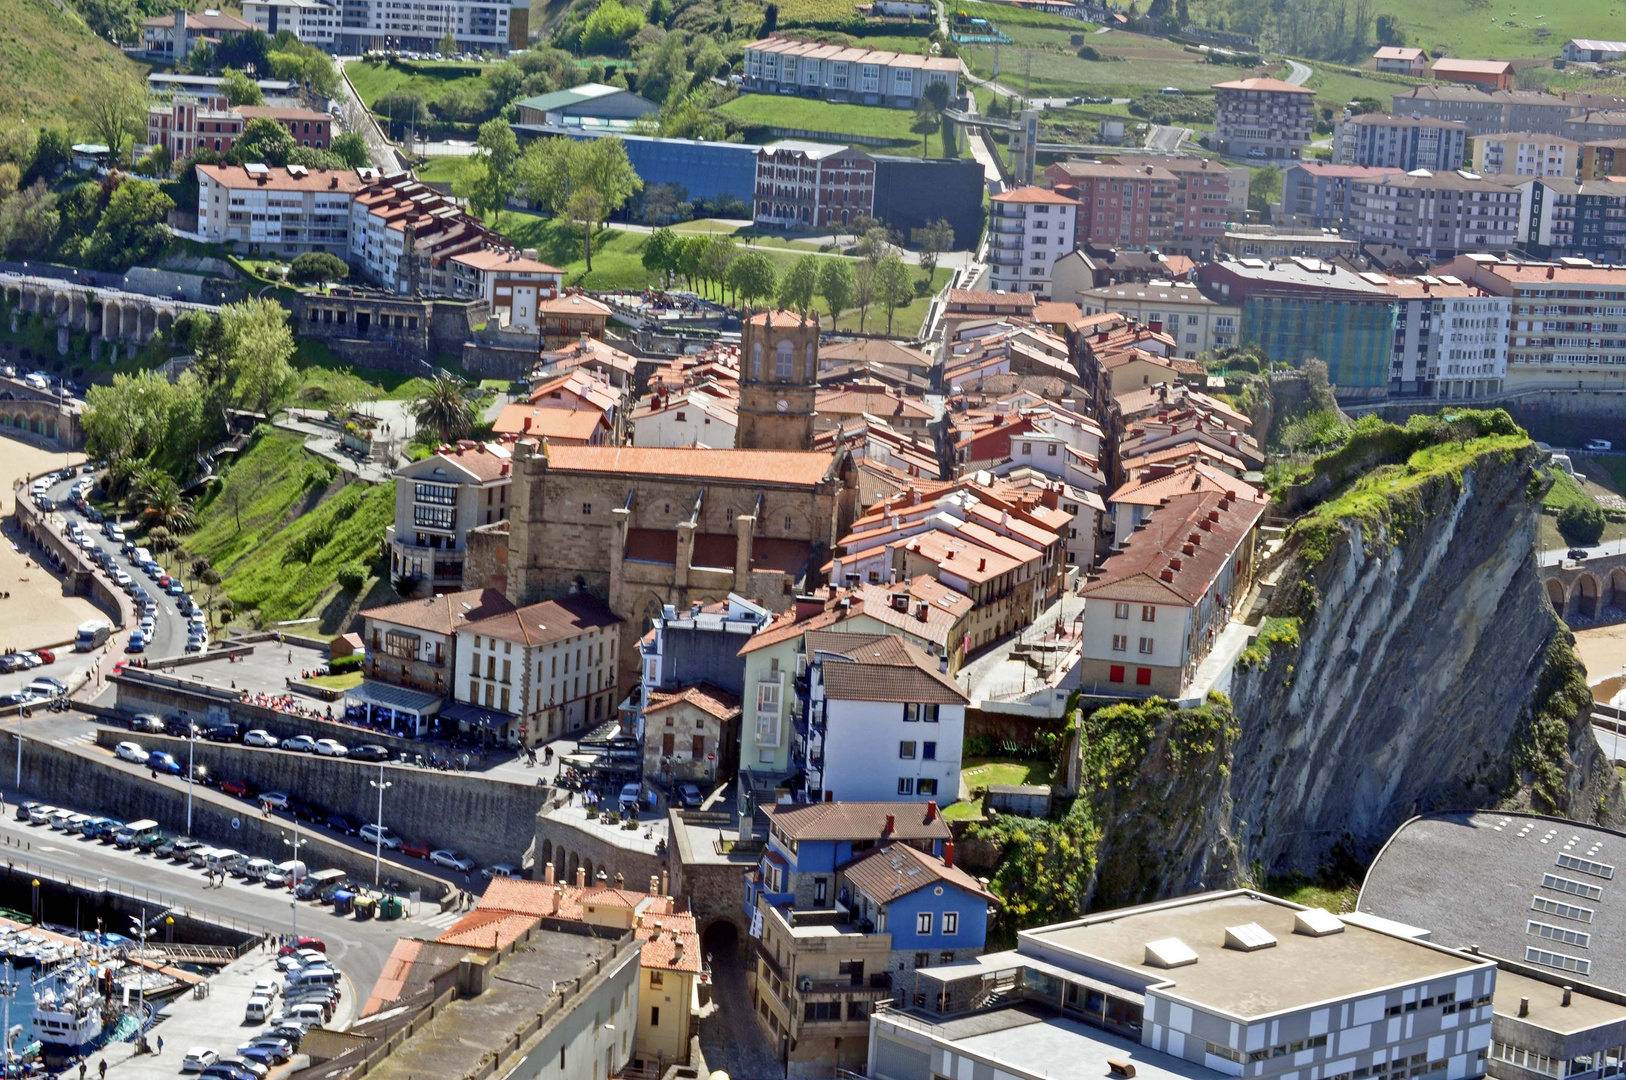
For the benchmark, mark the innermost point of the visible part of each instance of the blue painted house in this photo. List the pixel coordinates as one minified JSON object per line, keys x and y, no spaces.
{"x":848,"y":900}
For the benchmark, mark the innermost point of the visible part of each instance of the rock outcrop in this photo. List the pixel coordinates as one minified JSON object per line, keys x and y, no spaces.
{"x":1429,"y":673}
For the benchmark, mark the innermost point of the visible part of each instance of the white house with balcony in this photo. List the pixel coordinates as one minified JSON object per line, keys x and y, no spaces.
{"x":1029,"y":229}
{"x":882,"y":720}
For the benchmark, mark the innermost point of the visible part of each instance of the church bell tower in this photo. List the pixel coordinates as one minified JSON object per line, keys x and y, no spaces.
{"x":779,"y":370}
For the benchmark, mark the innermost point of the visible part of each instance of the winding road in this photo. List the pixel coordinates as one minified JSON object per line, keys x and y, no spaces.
{"x":1299,"y":75}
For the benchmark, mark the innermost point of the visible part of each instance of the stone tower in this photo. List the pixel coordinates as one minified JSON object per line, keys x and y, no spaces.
{"x":779,"y":370}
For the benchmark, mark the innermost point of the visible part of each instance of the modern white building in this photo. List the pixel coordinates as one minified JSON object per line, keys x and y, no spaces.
{"x":777,"y":65}
{"x":513,"y":282}
{"x":1235,"y":984}
{"x":536,"y":672}
{"x":315,"y":22}
{"x":881,"y":721}
{"x":1450,"y":337}
{"x":1030,"y":228}
{"x":480,"y":25}
{"x":286,"y":211}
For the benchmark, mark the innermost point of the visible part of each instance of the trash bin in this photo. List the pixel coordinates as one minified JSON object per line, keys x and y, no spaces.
{"x":342,"y":902}
{"x":390,"y":907}
{"x":366,"y":907}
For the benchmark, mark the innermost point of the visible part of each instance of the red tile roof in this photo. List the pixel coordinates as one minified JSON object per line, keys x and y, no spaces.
{"x":1033,"y":194}
{"x":444,"y":614}
{"x":1273,"y":85}
{"x":237,"y":178}
{"x":504,"y":259}
{"x":793,"y":467}
{"x":859,"y":821}
{"x":704,"y":696}
{"x":549,"y":621}
{"x":781,"y":318}
{"x":546,"y":422}
{"x":881,"y":667}
{"x":1161,"y":563}
{"x":886,"y":873}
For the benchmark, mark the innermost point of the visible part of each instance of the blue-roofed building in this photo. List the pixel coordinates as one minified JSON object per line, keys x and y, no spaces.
{"x":704,"y":170}
{"x":848,"y":900}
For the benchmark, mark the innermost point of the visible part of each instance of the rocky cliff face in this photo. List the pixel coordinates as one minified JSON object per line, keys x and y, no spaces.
{"x":1429,"y":673}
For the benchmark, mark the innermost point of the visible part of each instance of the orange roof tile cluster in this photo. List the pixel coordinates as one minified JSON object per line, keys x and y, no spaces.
{"x":278,"y":178}
{"x":922,"y":607}
{"x":670,"y":942}
{"x":985,"y":300}
{"x":505,"y":260}
{"x":573,"y":304}
{"x":548,"y":621}
{"x":880,"y":667}
{"x":441,"y":228}
{"x":487,"y":930}
{"x":576,"y":387}
{"x":1034,"y":195}
{"x":1180,"y":551}
{"x":483,"y":461}
{"x":792,"y":624}
{"x":780,"y":318}
{"x":713,"y":700}
{"x":590,"y":352}
{"x":559,"y":426}
{"x":791,"y":467}
{"x":856,"y":398}
{"x":886,"y":873}
{"x":858,"y":821}
{"x":1153,"y":489}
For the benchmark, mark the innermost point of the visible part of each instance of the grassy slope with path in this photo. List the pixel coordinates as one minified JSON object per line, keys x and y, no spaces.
{"x":757,"y":111}
{"x":372,"y":80}
{"x":47,"y":58}
{"x":250,"y":526}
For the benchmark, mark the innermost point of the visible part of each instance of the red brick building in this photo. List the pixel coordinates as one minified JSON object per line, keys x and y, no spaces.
{"x":308,"y":127}
{"x":803,"y":185}
{"x":1115,"y":201}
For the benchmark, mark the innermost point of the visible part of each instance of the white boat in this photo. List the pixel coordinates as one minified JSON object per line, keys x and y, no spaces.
{"x":68,"y":1007}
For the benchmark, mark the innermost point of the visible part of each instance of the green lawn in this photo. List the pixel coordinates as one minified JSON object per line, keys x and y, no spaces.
{"x":336,"y":682}
{"x":443,"y":170}
{"x":761,"y":111}
{"x":618,"y":264}
{"x":981,"y":772}
{"x":1130,"y":64}
{"x":1335,"y":87}
{"x":277,"y":527}
{"x":373,"y":80}
{"x":320,"y":369}
{"x":48,"y":59}
{"x":1006,"y":17}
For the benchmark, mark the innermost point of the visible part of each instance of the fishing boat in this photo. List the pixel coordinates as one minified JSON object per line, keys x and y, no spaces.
{"x":69,"y":1008}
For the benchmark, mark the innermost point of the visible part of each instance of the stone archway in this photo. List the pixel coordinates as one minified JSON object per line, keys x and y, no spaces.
{"x":1585,"y":597}
{"x":1556,"y":595}
{"x":587,"y":865}
{"x":547,"y":853}
{"x":112,"y":319}
{"x":1616,"y":596}
{"x":571,"y":866}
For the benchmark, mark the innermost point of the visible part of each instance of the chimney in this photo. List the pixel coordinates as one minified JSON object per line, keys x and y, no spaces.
{"x":1567,"y":991}
{"x":547,"y":874}
{"x":891,"y":825}
{"x":1549,"y":273}
{"x":620,"y":880}
{"x":1174,"y":564}
{"x":931,"y":811}
{"x":948,"y":853}
{"x":581,"y":877}
{"x":922,"y":609}
{"x":665,"y":891}
{"x":1167,"y":574}
{"x":809,"y":606}
{"x":1524,"y":1006}
{"x":558,"y":898}
{"x":982,"y":564}
{"x":654,"y":885}
{"x":584,"y":339}
{"x":1188,"y":549}
{"x":677,"y":950}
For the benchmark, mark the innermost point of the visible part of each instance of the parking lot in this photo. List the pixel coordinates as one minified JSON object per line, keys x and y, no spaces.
{"x":36,"y":613}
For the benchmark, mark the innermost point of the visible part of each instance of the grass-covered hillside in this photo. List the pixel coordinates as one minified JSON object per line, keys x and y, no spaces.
{"x":290,"y":537}
{"x":48,"y":58}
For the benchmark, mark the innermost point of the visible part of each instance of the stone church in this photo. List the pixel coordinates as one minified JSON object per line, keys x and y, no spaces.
{"x":643,"y":527}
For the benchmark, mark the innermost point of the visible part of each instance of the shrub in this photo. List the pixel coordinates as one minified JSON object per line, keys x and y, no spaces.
{"x":1581,"y":524}
{"x":319,"y":266}
{"x":344,"y":665}
{"x":351,"y":577}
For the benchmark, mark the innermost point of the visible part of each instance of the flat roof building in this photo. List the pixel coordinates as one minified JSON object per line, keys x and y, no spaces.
{"x":1210,"y":985}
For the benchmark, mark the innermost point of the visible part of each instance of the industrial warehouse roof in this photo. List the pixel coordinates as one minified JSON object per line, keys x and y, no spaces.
{"x":576,"y":95}
{"x":1524,"y":872}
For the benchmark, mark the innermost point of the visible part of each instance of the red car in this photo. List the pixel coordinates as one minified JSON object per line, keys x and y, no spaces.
{"x":420,"y":850}
{"x":303,"y":943}
{"x":235,"y":787}
{"x":47,"y":655}
{"x":163,"y":581}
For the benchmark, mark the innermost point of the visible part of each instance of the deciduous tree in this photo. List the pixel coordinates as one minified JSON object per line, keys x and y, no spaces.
{"x":351,"y":148}
{"x":933,"y":239}
{"x":240,"y":89}
{"x":751,"y":276}
{"x":836,"y":286}
{"x":892,"y":286}
{"x":264,"y":142}
{"x":115,"y":112}
{"x":258,"y":346}
{"x":797,"y":287}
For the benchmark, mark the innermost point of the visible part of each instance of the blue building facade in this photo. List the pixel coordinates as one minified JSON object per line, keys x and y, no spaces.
{"x":705,"y":170}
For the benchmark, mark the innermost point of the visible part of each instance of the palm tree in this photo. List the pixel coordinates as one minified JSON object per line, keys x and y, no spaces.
{"x":161,"y":501}
{"x":443,"y":411}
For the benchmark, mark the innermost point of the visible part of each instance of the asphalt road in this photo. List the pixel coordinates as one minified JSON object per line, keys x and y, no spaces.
{"x":1561,"y":555}
{"x":1299,"y":75}
{"x":1165,"y":138}
{"x":359,"y":948}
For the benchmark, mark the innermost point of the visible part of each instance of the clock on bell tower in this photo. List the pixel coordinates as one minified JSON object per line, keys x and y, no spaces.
{"x":779,"y":369}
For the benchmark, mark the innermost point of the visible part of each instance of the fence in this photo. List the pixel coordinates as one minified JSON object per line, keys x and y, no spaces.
{"x":834,"y":137}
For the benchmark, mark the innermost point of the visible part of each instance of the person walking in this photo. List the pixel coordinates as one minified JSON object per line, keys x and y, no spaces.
{"x":82,"y":1069}
{"x":160,"y":1046}
{"x":102,"y":1066}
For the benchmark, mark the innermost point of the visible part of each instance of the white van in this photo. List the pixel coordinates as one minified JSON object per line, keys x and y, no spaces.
{"x":311,"y":976}
{"x":209,"y":858}
{"x":141,"y":557}
{"x":258,"y":1009}
{"x":314,"y":1014}
{"x":92,"y":633}
{"x":256,"y":869}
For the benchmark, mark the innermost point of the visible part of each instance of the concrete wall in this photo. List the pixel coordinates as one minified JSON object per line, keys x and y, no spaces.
{"x":81,"y":578}
{"x":52,"y":772}
{"x":569,"y":847}
{"x":714,"y":884}
{"x":491,"y":820}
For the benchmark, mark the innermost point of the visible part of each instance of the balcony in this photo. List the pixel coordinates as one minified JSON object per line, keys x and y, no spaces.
{"x":877,"y":985}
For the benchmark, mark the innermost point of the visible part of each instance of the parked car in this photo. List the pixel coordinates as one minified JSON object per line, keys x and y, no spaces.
{"x":341,"y":824}
{"x":369,"y":752}
{"x":276,"y":800}
{"x":20,"y":697}
{"x":630,"y":794}
{"x":159,"y":761}
{"x":175,"y":588}
{"x":181,"y":850}
{"x":303,"y":744}
{"x":380,"y":834}
{"x":253,"y":1068}
{"x":415,"y":849}
{"x":688,"y":796}
{"x":1600,"y":445}
{"x":1578,"y":554}
{"x":500,"y":870}
{"x":305,"y":811}
{"x":223,"y":733}
{"x":451,"y":859}
{"x":182,"y":729}
{"x":131,"y":752}
{"x":47,"y":687}
{"x":259,"y":737}
{"x":199,"y":1058}
{"x":331,"y":748}
{"x":137,"y":643}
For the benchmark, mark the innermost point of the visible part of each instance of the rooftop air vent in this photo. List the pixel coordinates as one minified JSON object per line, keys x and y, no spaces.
{"x":1249,"y":937}
{"x":1317,"y":922}
{"x":1169,"y":953}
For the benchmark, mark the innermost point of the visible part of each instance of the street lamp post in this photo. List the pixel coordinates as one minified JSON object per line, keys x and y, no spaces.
{"x":293,"y":901}
{"x":191,"y":738}
{"x":378,"y":838}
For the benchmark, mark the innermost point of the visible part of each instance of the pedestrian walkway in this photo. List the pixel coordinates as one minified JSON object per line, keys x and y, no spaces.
{"x":444,"y":920}
{"x":322,"y":441}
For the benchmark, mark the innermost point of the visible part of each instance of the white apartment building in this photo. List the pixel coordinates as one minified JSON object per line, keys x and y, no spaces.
{"x":530,"y":674}
{"x":315,"y":22}
{"x":1236,"y":984}
{"x":514,"y":283}
{"x":1567,"y":325}
{"x":1179,"y":309}
{"x":421,"y":24}
{"x":882,"y":721}
{"x":777,"y":65}
{"x":702,"y":416}
{"x":1031,"y":228}
{"x":286,"y":211}
{"x":1450,"y":338}
{"x":1526,"y":153}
